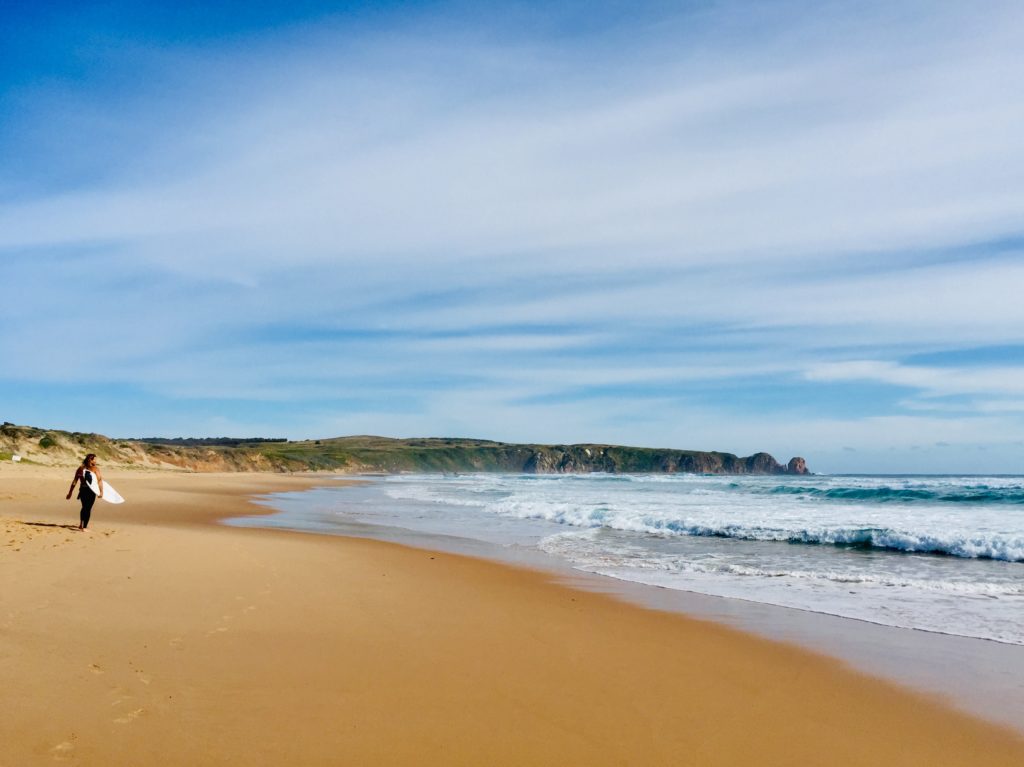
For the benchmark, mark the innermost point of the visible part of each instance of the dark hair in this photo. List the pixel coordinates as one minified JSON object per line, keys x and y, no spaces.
{"x":85,"y":461}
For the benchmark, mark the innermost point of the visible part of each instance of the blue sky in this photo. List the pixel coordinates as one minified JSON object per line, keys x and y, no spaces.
{"x":795,"y":227}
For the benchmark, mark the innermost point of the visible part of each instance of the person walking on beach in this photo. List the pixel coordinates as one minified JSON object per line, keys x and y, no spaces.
{"x":86,"y":494}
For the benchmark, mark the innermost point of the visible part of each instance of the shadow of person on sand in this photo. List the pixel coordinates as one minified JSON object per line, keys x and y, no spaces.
{"x":49,"y":524}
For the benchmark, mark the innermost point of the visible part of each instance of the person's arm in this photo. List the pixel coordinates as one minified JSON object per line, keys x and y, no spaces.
{"x":99,"y":480}
{"x":78,"y":475}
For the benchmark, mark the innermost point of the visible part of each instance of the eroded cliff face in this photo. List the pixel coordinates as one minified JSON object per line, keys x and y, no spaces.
{"x":584,"y":459}
{"x":60,"y":448}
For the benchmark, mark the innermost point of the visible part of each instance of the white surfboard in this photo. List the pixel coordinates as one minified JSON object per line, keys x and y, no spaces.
{"x":110,"y":495}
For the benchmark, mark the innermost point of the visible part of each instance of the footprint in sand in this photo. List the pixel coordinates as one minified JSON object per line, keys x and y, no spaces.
{"x":62,"y":751}
{"x":176,"y":643}
{"x":143,"y":678}
{"x":131,"y":716}
{"x":96,"y":668}
{"x":220,"y":630}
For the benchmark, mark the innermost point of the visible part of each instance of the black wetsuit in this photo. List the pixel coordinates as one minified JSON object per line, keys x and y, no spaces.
{"x":87,"y":497}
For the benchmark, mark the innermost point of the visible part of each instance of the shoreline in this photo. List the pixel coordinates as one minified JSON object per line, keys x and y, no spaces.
{"x":975,"y":676}
{"x":163,"y":636}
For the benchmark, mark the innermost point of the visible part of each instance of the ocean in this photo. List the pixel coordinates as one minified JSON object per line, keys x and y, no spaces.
{"x":941,"y":554}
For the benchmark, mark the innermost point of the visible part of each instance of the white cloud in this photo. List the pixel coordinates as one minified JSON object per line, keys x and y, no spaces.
{"x":931,"y":381}
{"x":704,"y":207}
{"x":779,"y":155}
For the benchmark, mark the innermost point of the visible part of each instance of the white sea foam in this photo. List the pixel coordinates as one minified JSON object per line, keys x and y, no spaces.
{"x":569,"y":545}
{"x":865,"y":545}
{"x":725,"y":512}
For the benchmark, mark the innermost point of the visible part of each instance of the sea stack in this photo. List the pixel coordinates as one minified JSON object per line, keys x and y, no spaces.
{"x":797,"y":465}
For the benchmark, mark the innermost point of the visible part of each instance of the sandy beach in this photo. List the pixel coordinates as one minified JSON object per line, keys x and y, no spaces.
{"x":161,"y":637}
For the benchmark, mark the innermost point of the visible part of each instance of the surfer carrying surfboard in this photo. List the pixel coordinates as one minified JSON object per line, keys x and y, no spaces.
{"x":90,"y":476}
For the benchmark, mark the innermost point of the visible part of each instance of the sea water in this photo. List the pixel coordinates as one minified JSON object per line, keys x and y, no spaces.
{"x":942,"y":554}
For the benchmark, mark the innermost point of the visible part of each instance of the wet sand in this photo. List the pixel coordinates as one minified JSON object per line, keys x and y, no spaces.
{"x":159,"y":637}
{"x":980,"y":677}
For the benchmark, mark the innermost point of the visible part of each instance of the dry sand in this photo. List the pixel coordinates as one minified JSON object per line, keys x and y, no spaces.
{"x":158,"y":638}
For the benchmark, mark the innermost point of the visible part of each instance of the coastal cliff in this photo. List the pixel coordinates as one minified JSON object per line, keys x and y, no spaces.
{"x":374,"y":454}
{"x":565,"y":459}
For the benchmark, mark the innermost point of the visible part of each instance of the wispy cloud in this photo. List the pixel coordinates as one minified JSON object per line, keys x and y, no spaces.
{"x":517,"y":232}
{"x":930,"y":381}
